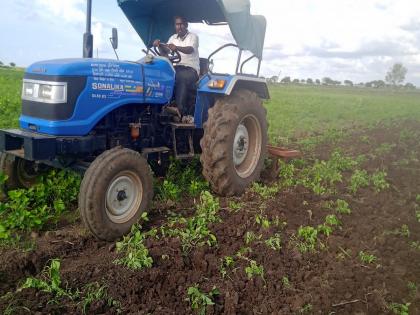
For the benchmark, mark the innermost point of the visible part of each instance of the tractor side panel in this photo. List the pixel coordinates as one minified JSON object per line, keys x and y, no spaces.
{"x":159,"y":82}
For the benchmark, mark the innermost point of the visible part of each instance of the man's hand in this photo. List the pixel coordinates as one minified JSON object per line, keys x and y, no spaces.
{"x":156,"y":43}
{"x":172,"y":47}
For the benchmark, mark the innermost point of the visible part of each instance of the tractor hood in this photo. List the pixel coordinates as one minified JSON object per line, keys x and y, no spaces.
{"x":80,"y":67}
{"x":154,"y":19}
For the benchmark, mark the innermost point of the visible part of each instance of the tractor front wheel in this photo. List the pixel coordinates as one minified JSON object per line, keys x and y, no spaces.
{"x":234,"y":143}
{"x":20,"y":173}
{"x":115,"y":190}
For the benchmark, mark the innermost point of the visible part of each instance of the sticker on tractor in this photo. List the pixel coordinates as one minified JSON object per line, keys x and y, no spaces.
{"x":113,"y":70}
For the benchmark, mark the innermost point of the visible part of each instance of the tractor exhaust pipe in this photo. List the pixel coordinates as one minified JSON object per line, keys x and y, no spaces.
{"x":88,"y":37}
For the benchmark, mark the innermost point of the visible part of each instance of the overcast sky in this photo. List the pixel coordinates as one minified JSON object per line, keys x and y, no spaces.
{"x":357,"y":40}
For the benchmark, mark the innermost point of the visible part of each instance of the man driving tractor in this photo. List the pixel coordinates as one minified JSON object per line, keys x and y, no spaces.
{"x":187,"y":71}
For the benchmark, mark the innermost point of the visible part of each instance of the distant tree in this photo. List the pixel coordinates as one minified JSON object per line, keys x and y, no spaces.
{"x":273,"y":79}
{"x":348,"y":83}
{"x":286,"y":80}
{"x":12,"y":64}
{"x":317,"y":81}
{"x":296,"y":81}
{"x":327,"y":81}
{"x":409,"y":86}
{"x":303,"y":81}
{"x":378,"y":84}
{"x":1,"y":63}
{"x":336,"y":82}
{"x":396,"y":74}
{"x":368,"y":84}
{"x":309,"y":81}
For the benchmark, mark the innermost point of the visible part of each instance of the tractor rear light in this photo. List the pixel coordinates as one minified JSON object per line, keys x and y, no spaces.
{"x":216,"y":84}
{"x":44,"y":92}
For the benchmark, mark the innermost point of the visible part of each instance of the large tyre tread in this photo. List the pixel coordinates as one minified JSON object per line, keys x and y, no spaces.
{"x":214,"y":144}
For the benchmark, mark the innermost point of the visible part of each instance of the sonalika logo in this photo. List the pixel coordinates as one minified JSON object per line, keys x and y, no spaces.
{"x":107,"y":86}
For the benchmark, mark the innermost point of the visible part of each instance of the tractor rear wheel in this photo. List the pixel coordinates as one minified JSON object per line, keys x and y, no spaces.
{"x":234,"y":143}
{"x":115,"y":190}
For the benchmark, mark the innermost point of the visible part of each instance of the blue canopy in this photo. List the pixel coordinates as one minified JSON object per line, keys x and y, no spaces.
{"x":154,"y":19}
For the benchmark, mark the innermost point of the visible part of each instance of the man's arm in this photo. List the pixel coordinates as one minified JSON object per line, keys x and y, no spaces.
{"x":185,"y":50}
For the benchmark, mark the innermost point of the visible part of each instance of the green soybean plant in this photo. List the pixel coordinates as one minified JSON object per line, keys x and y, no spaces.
{"x":367,"y":258}
{"x":253,"y":269}
{"x":135,"y":253}
{"x":200,"y":300}
{"x":359,"y":179}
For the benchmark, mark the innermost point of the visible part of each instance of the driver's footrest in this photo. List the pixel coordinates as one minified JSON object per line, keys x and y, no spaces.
{"x":182,"y":126}
{"x":184,"y":156}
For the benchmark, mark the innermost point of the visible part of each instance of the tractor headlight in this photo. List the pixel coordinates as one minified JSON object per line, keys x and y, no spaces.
{"x":44,"y":92}
{"x":216,"y":84}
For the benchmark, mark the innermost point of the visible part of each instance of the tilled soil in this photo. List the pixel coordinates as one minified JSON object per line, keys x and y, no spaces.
{"x":331,"y":281}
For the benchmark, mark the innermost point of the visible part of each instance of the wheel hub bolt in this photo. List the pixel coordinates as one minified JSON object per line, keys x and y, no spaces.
{"x":121,"y":195}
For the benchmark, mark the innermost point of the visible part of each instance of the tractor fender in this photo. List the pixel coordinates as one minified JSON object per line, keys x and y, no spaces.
{"x":257,"y":85}
{"x":233,"y":83}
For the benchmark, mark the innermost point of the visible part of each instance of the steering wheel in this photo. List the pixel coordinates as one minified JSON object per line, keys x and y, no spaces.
{"x":173,"y":56}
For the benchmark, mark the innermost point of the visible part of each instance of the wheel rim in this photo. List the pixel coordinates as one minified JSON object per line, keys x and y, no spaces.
{"x":123,"y":197}
{"x":247,"y":146}
{"x":26,"y":172}
{"x":240,"y":144}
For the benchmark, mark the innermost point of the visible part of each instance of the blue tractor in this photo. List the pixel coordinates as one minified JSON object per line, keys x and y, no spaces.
{"x":105,"y":119}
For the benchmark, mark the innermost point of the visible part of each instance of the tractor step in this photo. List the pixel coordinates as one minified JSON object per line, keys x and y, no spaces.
{"x":186,"y":128}
{"x":182,"y":126}
{"x":185,"y":156}
{"x":148,"y":151}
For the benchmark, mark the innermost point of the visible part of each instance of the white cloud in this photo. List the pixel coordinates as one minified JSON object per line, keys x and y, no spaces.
{"x":99,"y":36}
{"x":355,"y":39}
{"x":69,"y":11}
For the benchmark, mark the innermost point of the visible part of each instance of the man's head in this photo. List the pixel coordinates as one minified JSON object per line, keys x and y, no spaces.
{"x":181,"y":26}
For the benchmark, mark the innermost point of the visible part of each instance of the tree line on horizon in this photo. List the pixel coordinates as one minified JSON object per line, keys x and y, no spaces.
{"x":394,"y":78}
{"x":3,"y":65}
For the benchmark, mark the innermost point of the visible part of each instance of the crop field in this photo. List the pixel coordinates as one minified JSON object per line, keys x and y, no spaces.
{"x":10,"y":90}
{"x":336,"y":232}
